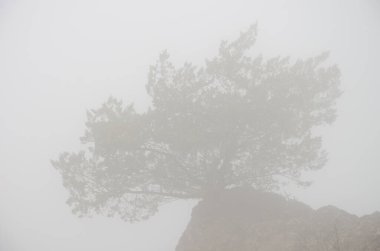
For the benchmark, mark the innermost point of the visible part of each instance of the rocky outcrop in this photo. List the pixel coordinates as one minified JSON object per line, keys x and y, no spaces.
{"x":245,"y":219}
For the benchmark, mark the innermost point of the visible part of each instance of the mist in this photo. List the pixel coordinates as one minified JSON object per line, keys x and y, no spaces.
{"x":59,"y":59}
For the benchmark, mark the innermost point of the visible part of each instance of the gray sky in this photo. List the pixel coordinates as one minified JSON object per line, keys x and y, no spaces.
{"x":59,"y":58}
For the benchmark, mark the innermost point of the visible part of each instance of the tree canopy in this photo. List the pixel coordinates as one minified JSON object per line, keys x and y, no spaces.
{"x":238,"y":120}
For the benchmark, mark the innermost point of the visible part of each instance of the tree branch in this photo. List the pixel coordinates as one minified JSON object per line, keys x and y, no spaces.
{"x":165,"y":194}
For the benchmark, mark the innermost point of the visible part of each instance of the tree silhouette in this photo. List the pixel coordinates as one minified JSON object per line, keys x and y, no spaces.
{"x":237,"y":121}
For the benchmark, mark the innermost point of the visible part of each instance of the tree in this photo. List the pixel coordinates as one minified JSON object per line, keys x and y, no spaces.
{"x":237,"y":121}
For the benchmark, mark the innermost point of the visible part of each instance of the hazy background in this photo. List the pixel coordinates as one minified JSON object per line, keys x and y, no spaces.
{"x":59,"y":58}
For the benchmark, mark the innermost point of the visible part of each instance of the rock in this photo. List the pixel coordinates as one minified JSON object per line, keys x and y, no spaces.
{"x":245,"y":219}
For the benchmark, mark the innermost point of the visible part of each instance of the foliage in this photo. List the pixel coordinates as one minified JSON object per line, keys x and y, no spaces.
{"x":236,"y":121}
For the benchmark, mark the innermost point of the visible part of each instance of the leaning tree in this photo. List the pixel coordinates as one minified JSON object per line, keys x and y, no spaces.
{"x":236,"y":121}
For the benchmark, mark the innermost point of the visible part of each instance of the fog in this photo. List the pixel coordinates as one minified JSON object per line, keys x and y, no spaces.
{"x":60,"y":58}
